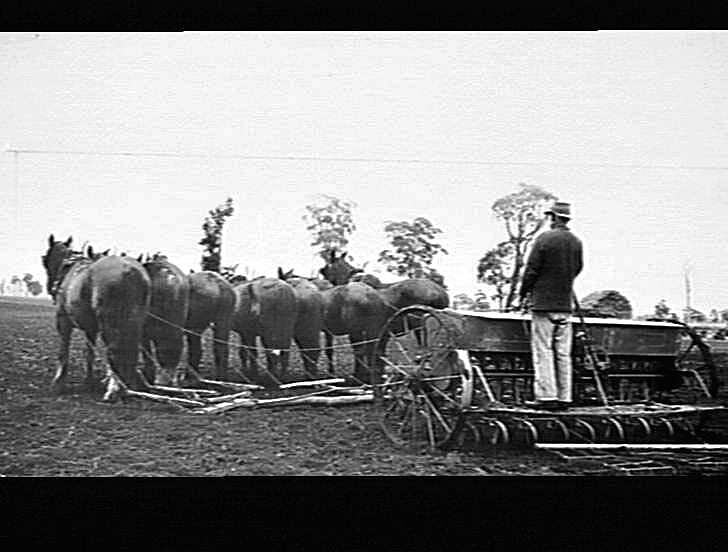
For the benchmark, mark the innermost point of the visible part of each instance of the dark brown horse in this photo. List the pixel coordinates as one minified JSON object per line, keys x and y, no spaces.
{"x":170,"y":303}
{"x":358,"y":311}
{"x":309,"y":319}
{"x":368,"y":279}
{"x":211,"y":302}
{"x":337,"y":270}
{"x":265,"y":307}
{"x":415,"y":291}
{"x":110,"y":296}
{"x":405,"y":293}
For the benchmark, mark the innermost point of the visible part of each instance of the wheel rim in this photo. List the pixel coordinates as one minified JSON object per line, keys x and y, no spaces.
{"x":421,"y":390}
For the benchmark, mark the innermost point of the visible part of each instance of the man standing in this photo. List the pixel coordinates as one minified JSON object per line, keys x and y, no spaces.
{"x":554,"y":262}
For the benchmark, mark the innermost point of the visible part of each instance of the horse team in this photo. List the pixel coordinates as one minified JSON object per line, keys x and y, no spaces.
{"x":153,"y":306}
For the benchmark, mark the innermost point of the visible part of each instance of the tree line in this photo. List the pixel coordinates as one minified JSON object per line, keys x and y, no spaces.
{"x":329,"y":220}
{"x":413,"y":248}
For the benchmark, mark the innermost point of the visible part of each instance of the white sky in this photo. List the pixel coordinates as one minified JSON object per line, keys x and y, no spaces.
{"x":569,"y":105}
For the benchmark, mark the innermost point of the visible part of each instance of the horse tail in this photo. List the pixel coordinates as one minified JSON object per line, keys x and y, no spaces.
{"x":255,"y":306}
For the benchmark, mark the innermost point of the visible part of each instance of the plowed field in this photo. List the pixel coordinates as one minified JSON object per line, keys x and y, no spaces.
{"x":76,"y":434}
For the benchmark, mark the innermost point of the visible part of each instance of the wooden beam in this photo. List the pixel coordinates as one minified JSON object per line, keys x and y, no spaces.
{"x":311,"y":383}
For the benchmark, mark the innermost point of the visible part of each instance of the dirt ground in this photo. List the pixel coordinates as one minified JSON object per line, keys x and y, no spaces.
{"x":76,"y":434}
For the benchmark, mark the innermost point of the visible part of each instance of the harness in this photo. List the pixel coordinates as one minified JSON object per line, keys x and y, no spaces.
{"x":73,"y":258}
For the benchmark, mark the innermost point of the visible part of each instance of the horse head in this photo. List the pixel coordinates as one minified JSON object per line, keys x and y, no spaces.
{"x":337,"y":270}
{"x":91,"y":254}
{"x":285,"y":275}
{"x":53,"y":260}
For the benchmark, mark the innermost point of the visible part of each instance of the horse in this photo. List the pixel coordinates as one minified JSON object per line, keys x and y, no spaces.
{"x":337,"y":270}
{"x":111,"y":296}
{"x":358,"y":311}
{"x":309,"y":319}
{"x":368,"y":279}
{"x":211,"y":301}
{"x":265,"y":307}
{"x":170,"y":302}
{"x":397,"y":295}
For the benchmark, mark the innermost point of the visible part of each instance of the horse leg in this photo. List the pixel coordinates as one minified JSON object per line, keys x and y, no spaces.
{"x":222,"y":349}
{"x":310,"y":359}
{"x":169,"y":352}
{"x":330,"y":351}
{"x":194,"y":351}
{"x":64,"y":327}
{"x":249,"y":356}
{"x":149,"y":369}
{"x":243,"y":354}
{"x":283,"y":360}
{"x":90,"y":353}
{"x":273,"y":362}
{"x":361,"y":366}
{"x":379,"y":350}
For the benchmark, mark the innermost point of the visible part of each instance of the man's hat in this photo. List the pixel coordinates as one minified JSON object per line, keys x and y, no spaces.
{"x":561,"y":209}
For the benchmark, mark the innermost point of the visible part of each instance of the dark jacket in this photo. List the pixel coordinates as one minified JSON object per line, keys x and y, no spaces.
{"x":554,"y":262}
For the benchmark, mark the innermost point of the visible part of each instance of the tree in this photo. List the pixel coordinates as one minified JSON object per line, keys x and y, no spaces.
{"x":212,"y":241}
{"x":481,"y":301}
{"x":494,"y":269}
{"x":662,"y":310}
{"x":413,"y":248}
{"x":330,"y":222}
{"x":33,"y":286}
{"x":522,"y":216}
{"x":607,"y":303}
{"x":694,"y":316}
{"x":463,"y":301}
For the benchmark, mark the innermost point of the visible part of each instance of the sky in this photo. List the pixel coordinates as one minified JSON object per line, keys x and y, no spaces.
{"x":631,"y":128}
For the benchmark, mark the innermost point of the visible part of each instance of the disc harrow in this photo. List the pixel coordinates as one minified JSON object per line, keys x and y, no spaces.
{"x":461,"y":379}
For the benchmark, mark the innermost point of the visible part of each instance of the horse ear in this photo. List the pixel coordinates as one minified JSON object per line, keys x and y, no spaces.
{"x":332,"y":255}
{"x":51,"y":240}
{"x":140,"y":257}
{"x":90,"y":252}
{"x":281,"y":276}
{"x":105,"y":253}
{"x":68,"y":241}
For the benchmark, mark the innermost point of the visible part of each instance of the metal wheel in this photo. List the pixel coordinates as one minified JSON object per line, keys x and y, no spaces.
{"x":424,"y":384}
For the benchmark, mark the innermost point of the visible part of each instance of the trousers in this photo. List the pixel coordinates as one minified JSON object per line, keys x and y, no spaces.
{"x":551,"y":349}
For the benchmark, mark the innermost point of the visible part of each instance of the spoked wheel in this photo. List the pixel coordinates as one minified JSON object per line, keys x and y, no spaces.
{"x":423,"y":386}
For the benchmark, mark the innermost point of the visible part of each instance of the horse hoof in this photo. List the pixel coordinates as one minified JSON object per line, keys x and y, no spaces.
{"x":111,"y":396}
{"x":164,"y":381}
